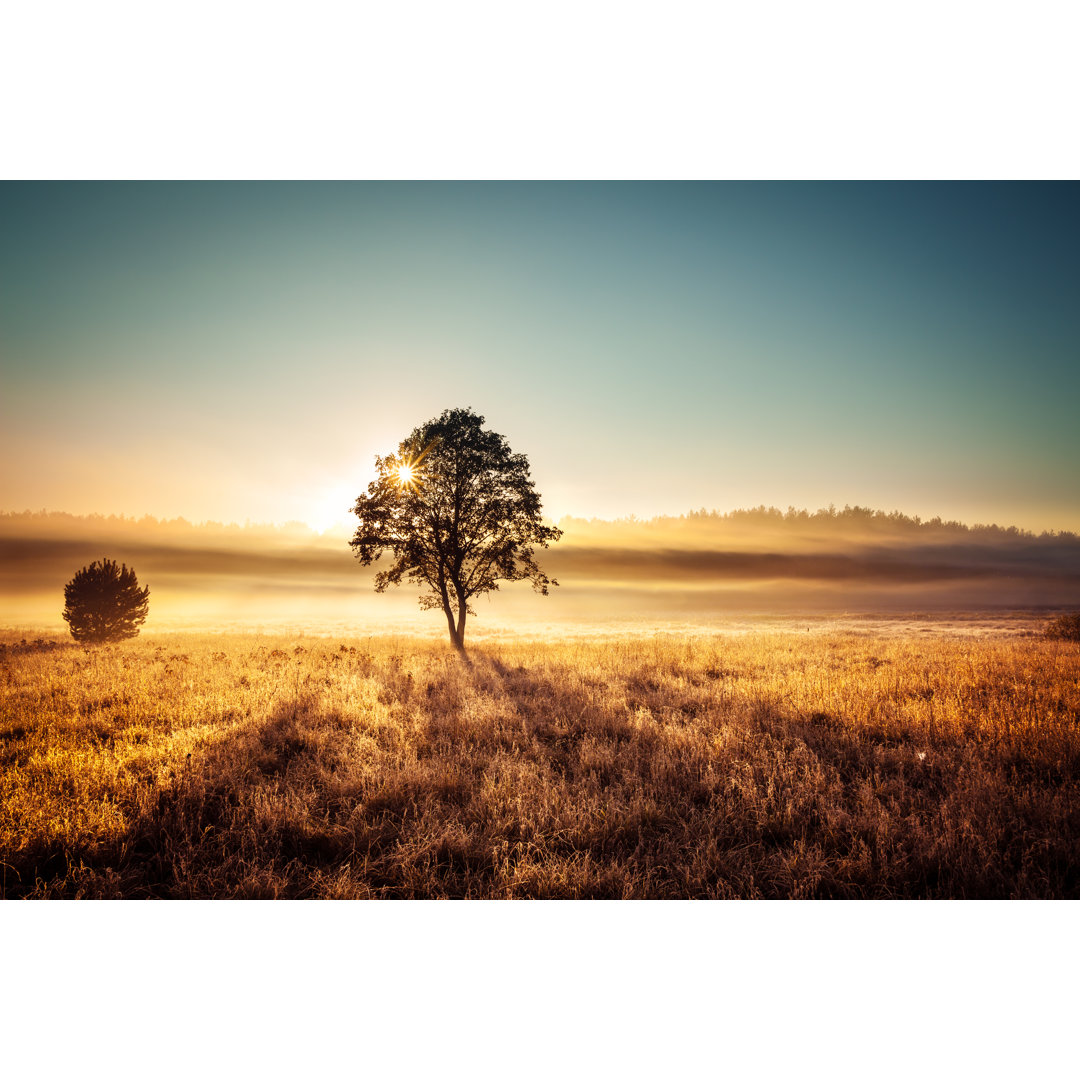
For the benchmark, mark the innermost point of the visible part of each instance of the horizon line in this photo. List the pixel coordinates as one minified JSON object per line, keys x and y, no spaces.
{"x":791,"y":514}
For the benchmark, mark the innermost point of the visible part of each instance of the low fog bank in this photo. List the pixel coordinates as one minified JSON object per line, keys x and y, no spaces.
{"x":769,"y":529}
{"x":701,"y":568}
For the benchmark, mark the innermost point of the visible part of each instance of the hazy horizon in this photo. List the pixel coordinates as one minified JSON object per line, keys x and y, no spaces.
{"x":694,"y":513}
{"x":700,"y":567}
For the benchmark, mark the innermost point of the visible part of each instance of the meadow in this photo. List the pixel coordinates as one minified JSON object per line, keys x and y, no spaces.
{"x":778,"y":764}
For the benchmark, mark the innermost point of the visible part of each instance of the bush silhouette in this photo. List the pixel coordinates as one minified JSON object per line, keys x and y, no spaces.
{"x":1064,"y":628}
{"x":103,"y":602}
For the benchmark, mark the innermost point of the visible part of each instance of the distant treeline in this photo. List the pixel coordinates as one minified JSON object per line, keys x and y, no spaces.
{"x":829,"y":520}
{"x":850,"y":519}
{"x":57,"y":523}
{"x":147,"y":521}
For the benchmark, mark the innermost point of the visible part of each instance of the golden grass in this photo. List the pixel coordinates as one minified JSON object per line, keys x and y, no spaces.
{"x":767,"y":765}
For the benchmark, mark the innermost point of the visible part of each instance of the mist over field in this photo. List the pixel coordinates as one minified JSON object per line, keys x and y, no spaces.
{"x":699,"y":567}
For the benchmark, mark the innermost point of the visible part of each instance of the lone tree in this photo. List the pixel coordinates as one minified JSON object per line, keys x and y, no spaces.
{"x":458,"y":512}
{"x":103,"y":602}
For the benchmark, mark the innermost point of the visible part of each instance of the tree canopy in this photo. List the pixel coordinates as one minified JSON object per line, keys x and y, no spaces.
{"x":457,"y":511}
{"x":103,"y":602}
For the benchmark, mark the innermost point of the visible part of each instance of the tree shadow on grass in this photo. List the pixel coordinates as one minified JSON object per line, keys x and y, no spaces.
{"x":589,"y":814}
{"x":286,"y":808}
{"x":914,"y":816}
{"x":493,"y":780}
{"x":210,"y":823}
{"x":280,"y":806}
{"x":790,"y":805}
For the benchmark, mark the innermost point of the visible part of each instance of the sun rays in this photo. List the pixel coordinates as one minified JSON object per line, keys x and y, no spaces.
{"x":407,"y":474}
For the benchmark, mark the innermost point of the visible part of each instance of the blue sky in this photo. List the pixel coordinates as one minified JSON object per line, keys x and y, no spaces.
{"x":241,"y":351}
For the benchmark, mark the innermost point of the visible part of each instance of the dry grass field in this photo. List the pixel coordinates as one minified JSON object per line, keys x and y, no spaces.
{"x":758,"y":765}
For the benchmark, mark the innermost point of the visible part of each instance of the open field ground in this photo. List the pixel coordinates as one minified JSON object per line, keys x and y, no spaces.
{"x":758,"y":764}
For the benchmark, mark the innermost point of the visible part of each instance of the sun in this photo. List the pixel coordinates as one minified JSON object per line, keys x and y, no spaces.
{"x":406,"y":474}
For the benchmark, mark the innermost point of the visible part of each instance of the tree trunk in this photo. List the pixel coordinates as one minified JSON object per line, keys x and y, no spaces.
{"x":462,"y":611}
{"x":455,"y":638}
{"x":457,"y":633}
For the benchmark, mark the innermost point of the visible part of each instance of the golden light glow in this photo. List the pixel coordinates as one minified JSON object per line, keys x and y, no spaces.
{"x":406,"y":474}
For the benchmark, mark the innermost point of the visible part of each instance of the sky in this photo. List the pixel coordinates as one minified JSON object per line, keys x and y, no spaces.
{"x":241,"y":351}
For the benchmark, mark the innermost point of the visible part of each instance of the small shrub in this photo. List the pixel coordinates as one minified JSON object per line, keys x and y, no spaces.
{"x":1064,"y":628}
{"x":103,"y":602}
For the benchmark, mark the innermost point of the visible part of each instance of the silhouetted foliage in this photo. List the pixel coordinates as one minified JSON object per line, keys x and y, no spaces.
{"x":1064,"y":628}
{"x":458,"y":512}
{"x":828,"y":522}
{"x":103,"y":602}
